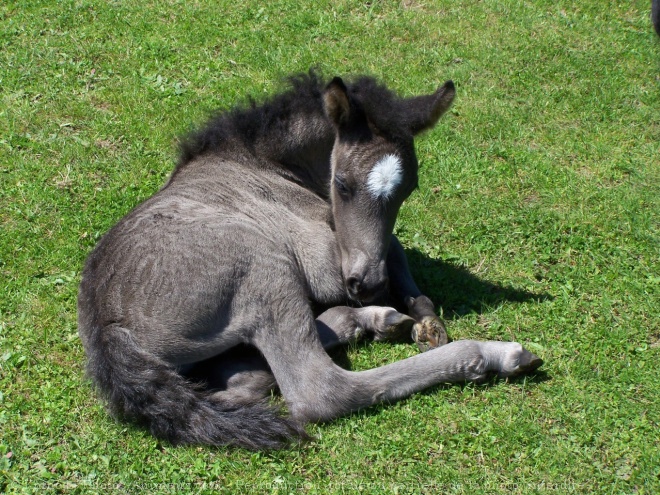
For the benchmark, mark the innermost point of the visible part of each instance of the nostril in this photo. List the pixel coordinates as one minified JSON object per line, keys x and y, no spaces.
{"x":354,"y":285}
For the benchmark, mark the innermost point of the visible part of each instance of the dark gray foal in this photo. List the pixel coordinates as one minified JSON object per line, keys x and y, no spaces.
{"x":262,"y":251}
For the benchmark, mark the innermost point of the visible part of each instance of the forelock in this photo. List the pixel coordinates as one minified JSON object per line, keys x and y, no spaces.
{"x":385,"y":176}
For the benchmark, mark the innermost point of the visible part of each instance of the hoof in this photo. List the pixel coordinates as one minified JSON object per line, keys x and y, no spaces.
{"x":396,"y":326}
{"x":527,"y":363}
{"x":429,"y":333}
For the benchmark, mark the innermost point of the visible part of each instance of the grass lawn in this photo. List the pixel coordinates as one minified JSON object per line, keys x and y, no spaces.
{"x":537,"y":219}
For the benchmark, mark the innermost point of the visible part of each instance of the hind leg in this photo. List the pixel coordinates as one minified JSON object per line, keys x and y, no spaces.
{"x":242,"y":375}
{"x":237,"y":376}
{"x":315,"y":388}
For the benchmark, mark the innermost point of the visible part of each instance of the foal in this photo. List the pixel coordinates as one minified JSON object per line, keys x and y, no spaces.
{"x":264,"y":249}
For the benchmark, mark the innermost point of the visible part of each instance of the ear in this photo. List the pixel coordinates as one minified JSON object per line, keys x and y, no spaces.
{"x":423,"y":112}
{"x":335,"y":102}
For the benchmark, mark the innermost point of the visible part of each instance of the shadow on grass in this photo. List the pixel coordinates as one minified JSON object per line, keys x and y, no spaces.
{"x":537,"y":377}
{"x":460,"y":292}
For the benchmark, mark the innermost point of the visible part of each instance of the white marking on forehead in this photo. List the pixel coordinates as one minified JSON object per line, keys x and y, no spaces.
{"x":384,"y":178}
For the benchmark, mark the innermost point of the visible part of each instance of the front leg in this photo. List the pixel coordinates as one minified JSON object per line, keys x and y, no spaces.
{"x":343,"y":325}
{"x":429,"y":330}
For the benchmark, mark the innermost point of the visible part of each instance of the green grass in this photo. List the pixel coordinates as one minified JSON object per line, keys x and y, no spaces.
{"x":536,"y":220}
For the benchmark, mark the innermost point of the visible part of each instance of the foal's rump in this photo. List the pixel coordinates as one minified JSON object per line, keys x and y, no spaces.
{"x":169,"y":275}
{"x":157,"y":295}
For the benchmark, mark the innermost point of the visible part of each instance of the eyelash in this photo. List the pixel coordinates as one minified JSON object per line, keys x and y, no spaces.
{"x":341,"y":186}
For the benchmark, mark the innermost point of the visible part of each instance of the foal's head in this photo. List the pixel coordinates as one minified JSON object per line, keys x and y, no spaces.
{"x":374,"y":169}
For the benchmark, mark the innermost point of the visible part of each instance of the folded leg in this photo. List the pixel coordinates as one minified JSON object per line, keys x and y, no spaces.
{"x":242,"y":375}
{"x":429,"y":330}
{"x":342,"y":325}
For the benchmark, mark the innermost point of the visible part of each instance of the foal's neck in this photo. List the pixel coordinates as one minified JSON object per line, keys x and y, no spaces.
{"x":303,"y":147}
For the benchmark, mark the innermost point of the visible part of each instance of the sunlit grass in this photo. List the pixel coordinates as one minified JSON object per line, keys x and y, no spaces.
{"x":536,"y":220}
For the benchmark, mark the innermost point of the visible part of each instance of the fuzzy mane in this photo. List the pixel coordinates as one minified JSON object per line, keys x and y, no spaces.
{"x":247,"y":124}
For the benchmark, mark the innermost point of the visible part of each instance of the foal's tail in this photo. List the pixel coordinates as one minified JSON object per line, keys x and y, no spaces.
{"x":142,"y":388}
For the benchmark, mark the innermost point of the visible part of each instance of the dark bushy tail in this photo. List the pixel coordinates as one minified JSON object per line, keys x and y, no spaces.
{"x":142,"y":388}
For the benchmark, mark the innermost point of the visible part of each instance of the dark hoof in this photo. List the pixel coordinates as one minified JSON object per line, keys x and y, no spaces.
{"x":529,"y":362}
{"x":429,"y":333}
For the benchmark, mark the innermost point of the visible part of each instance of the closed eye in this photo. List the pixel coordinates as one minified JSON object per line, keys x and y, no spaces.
{"x":342,"y":187}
